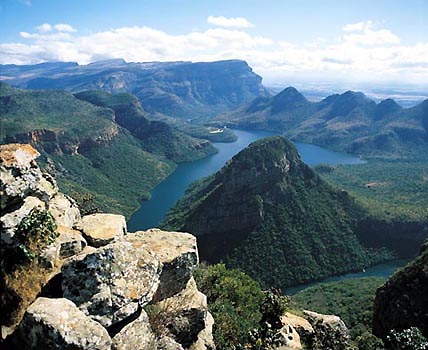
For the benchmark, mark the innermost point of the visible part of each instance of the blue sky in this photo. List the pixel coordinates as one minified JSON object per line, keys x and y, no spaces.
{"x":383,"y":40}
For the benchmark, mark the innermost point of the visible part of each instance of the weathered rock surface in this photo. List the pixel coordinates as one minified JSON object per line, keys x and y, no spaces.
{"x":330,"y":332}
{"x":178,"y":253}
{"x":10,"y":221}
{"x":402,"y":302}
{"x":102,"y":229}
{"x":137,"y":335}
{"x":64,"y":210}
{"x":23,"y":178}
{"x":69,"y":242}
{"x":186,"y":319}
{"x":300,"y":325}
{"x":99,"y":289}
{"x":58,"y":324}
{"x":109,"y":283}
{"x":289,"y":338}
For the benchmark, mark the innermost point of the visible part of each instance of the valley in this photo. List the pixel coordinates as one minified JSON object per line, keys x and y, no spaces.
{"x":282,"y":193}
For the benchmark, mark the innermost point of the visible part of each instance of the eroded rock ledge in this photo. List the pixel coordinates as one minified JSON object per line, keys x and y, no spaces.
{"x":99,"y":287}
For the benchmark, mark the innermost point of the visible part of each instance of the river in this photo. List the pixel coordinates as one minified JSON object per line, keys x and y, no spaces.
{"x":164,"y":196}
{"x":381,"y":270}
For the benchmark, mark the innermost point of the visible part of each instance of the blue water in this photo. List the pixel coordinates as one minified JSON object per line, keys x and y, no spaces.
{"x":381,"y":270}
{"x":164,"y":196}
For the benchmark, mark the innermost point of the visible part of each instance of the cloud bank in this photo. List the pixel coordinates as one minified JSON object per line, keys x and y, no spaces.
{"x":363,"y":52}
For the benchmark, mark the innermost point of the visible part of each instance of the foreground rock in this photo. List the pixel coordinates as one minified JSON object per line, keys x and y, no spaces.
{"x":330,"y":332}
{"x":102,"y":229}
{"x":59,"y":324}
{"x":178,"y":253}
{"x":109,"y":283}
{"x":62,"y":291}
{"x":137,"y":335}
{"x":184,"y":317}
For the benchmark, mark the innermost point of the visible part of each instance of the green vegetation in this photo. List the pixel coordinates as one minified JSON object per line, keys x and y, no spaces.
{"x":234,"y":299}
{"x":271,"y":216}
{"x":89,"y":148}
{"x":157,"y":137}
{"x":112,"y":178}
{"x":348,"y":122}
{"x":351,"y":300}
{"x":388,"y":189}
{"x":23,"y":269}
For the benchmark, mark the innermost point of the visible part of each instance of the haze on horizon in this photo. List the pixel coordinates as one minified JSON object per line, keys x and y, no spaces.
{"x":353,"y":42}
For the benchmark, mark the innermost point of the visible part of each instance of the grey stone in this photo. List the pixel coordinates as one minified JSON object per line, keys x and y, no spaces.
{"x":178,"y":254}
{"x":58,"y":324}
{"x":102,"y":229}
{"x":108,"y":283}
{"x":64,"y":210}
{"x":136,"y":335}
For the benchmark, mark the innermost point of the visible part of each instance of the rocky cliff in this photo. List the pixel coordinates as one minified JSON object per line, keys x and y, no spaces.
{"x":402,"y":302}
{"x":176,"y":89}
{"x":72,"y":282}
{"x":269,"y":214}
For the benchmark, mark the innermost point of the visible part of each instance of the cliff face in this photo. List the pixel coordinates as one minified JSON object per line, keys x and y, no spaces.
{"x":403,"y":301}
{"x":86,"y":283}
{"x":269,"y":214}
{"x":176,"y":89}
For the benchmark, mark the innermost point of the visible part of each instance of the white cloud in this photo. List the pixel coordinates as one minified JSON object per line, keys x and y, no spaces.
{"x":45,"y":27}
{"x":234,"y":22}
{"x":368,"y":54}
{"x":364,"y":34}
{"x":62,"y":27}
{"x":354,"y":27}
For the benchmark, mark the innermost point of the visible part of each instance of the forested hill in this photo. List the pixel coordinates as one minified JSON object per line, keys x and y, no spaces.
{"x":269,"y":214}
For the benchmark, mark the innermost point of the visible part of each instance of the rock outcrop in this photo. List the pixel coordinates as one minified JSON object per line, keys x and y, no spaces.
{"x":59,"y":324}
{"x":97,"y":286}
{"x":316,"y":331}
{"x":402,"y":302}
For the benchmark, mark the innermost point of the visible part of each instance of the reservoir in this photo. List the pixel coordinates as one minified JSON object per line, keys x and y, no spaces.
{"x":164,"y":196}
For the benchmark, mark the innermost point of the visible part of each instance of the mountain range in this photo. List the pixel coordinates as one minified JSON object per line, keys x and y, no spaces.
{"x":175,"y":89}
{"x":349,"y":122}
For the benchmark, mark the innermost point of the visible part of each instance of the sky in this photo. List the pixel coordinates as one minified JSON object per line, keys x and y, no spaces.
{"x":366,"y":41}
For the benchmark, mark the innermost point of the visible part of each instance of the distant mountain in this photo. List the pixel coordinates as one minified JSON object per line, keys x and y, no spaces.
{"x":269,"y":214}
{"x":177,"y":89}
{"x":348,"y":122}
{"x":105,"y":152}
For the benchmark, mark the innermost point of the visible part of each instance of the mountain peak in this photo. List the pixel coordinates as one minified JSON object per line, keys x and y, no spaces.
{"x":387,"y":108}
{"x":288,"y":98}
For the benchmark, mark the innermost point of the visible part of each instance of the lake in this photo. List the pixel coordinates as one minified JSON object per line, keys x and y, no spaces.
{"x":164,"y":196}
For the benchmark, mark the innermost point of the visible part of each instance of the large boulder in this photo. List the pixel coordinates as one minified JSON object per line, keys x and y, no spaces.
{"x":184,"y":317}
{"x":20,"y":176}
{"x":64,"y":210}
{"x":109,"y":282}
{"x":136,"y":335}
{"x":330,"y":332}
{"x":178,"y":253}
{"x":300,"y":325}
{"x":57,"y":324}
{"x":102,"y":229}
